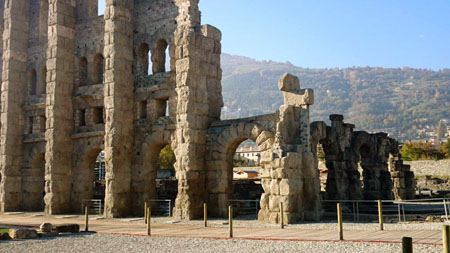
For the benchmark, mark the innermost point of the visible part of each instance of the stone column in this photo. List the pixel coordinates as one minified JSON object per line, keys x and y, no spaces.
{"x":294,"y":180}
{"x":198,"y":77}
{"x":60,"y":73}
{"x":118,"y":100}
{"x":15,"y":41}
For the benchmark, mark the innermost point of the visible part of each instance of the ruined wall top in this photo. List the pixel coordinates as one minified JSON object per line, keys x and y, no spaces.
{"x":293,"y":95}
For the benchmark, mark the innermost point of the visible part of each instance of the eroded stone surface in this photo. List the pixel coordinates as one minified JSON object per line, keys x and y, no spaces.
{"x":22,"y":233}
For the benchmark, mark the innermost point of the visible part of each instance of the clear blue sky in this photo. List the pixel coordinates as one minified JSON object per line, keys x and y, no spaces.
{"x":335,"y":33}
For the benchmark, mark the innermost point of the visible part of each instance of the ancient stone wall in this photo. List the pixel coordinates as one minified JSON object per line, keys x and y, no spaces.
{"x":144,"y":75}
{"x":15,"y":41}
{"x":361,"y":165}
{"x":288,"y":174}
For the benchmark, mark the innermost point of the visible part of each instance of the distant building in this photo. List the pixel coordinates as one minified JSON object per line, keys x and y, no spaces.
{"x":248,"y":157}
{"x":246,"y":173}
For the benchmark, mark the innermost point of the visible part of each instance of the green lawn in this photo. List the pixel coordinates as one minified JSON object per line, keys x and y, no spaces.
{"x":4,"y":230}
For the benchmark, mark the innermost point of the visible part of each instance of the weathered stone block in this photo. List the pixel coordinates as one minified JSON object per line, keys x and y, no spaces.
{"x":21,"y":233}
{"x":66,"y":228}
{"x":46,"y":227}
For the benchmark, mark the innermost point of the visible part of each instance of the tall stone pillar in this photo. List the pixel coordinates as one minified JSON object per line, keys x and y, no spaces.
{"x":15,"y":41}
{"x":118,"y":100}
{"x":198,"y":77}
{"x":59,"y":113}
{"x":294,"y":180}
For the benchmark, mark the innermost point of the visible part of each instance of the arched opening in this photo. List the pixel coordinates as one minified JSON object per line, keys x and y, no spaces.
{"x":155,"y":181}
{"x":370,"y":184}
{"x":99,"y":177}
{"x":159,"y":56}
{"x":97,"y":75}
{"x":83,"y":71}
{"x":34,"y":184}
{"x":143,"y":61}
{"x":43,"y":81}
{"x":100,"y":7}
{"x":32,"y":80}
{"x":243,"y":160}
{"x":93,"y":185}
{"x":166,"y":183}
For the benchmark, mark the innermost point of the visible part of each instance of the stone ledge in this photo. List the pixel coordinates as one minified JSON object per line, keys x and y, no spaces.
{"x":88,"y":134}
{"x":34,"y":138}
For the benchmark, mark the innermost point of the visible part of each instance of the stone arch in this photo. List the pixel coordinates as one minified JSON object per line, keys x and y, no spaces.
{"x":145,"y":173}
{"x":220,"y":163}
{"x":342,"y":178}
{"x":371,"y":151}
{"x":98,"y":69}
{"x":33,"y":180}
{"x":143,"y":61}
{"x":159,"y":56}
{"x":84,"y":158}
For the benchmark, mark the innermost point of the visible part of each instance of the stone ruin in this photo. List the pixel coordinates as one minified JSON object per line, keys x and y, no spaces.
{"x":75,"y":83}
{"x":384,"y":174}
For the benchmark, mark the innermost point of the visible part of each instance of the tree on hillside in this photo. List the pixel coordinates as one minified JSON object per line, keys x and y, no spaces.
{"x":441,"y":130}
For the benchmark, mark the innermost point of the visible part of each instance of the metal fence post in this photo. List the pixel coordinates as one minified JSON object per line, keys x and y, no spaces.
{"x":380,"y":214}
{"x":281,"y":215}
{"x":339,"y":216}
{"x":145,"y":212}
{"x":230,"y":220}
{"x":445,"y":239}
{"x":149,"y":214}
{"x":205,"y":214}
{"x":445,"y":209}
{"x":407,"y":245}
{"x":86,"y":219}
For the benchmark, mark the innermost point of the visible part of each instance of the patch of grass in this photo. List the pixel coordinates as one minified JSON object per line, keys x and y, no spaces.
{"x":4,"y":230}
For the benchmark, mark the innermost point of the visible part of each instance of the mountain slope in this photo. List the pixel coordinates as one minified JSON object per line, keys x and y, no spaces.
{"x":399,"y":101}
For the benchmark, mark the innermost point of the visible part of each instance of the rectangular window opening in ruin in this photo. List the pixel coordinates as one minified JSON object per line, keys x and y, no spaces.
{"x":82,"y":117}
{"x":30,"y":125}
{"x":42,"y":123}
{"x":162,"y":108}
{"x":143,"y":109}
{"x":98,"y":115}
{"x":32,"y":82}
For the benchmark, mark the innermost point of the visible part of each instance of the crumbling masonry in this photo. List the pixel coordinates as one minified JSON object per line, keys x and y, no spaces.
{"x":75,"y":83}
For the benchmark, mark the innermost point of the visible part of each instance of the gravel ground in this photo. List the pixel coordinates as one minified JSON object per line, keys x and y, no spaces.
{"x":119,"y":243}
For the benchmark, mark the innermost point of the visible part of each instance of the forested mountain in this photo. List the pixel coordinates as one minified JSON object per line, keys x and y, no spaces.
{"x":402,"y":101}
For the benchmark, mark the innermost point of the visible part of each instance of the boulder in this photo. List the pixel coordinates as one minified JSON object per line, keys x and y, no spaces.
{"x":46,"y":227}
{"x":22,"y":233}
{"x":66,"y":228}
